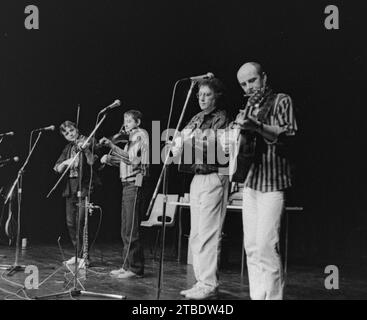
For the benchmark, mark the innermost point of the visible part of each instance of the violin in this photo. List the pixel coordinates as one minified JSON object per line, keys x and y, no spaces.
{"x":119,"y":139}
{"x":79,"y":142}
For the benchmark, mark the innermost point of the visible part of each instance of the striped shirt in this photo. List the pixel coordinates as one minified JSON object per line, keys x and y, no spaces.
{"x":271,"y":169}
{"x":133,"y":159}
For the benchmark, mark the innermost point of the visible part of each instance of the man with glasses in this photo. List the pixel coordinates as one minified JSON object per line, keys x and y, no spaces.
{"x":208,"y":190}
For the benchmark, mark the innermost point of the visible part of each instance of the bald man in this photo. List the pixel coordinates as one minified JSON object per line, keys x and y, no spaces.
{"x":269,"y":118}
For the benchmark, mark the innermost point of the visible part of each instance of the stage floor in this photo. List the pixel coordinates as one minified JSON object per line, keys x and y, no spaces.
{"x":302,"y":282}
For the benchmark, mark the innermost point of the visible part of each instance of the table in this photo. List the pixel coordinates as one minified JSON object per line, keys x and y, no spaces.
{"x":288,"y":209}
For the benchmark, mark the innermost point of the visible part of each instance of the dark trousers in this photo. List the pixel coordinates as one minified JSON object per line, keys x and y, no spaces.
{"x":133,"y":253}
{"x":71,"y":215}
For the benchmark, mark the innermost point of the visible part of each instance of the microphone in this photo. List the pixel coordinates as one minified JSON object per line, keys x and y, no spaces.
{"x":209,"y":75}
{"x":113,"y":105}
{"x":49,"y":128}
{"x":15,"y":159}
{"x":10,"y":133}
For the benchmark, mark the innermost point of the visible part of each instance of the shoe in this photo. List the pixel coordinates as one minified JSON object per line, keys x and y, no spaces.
{"x":117,"y":272}
{"x":81,"y":264}
{"x":202,"y":293}
{"x":185,"y":292}
{"x":70,"y":261}
{"x":128,"y":275}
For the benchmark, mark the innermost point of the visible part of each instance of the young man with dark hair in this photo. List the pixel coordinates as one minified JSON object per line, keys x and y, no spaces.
{"x":75,"y":140}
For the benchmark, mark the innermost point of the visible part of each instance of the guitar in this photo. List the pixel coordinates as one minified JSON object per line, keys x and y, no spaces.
{"x":11,"y":225}
{"x":242,"y":152}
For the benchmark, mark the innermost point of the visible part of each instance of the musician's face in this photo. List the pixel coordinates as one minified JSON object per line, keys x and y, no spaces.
{"x":70,"y":133}
{"x":130,"y":123}
{"x":206,"y":98}
{"x":249,"y":79}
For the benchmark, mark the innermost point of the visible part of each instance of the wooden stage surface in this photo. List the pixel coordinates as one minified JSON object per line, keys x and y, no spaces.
{"x":302,"y":282}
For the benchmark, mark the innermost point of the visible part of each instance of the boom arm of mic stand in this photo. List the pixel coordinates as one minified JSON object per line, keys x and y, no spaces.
{"x":155,"y":193}
{"x":20,"y":172}
{"x":77,"y":155}
{"x":163,"y":177}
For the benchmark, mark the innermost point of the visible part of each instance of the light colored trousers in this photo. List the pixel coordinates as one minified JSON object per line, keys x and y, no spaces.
{"x":261,"y":216}
{"x":208,"y":201}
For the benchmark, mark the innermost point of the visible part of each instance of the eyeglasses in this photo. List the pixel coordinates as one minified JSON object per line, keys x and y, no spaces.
{"x":204,"y":94}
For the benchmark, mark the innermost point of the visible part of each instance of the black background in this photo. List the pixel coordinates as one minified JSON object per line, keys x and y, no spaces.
{"x":93,"y":52}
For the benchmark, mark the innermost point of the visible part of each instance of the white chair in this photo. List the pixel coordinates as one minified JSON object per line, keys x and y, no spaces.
{"x":155,"y":218}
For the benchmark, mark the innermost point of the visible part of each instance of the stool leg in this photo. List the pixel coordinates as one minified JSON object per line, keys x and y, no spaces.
{"x":242,"y":256}
{"x":156,"y":243}
{"x":286,"y":244}
{"x":179,"y":235}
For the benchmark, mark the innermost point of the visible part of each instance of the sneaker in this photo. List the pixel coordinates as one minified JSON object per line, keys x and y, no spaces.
{"x":185,"y":292}
{"x":128,"y":274}
{"x":70,"y":261}
{"x":202,"y":293}
{"x":81,"y":264}
{"x":117,"y":272}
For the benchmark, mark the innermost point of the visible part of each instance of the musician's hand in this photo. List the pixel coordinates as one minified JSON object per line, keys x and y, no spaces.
{"x":104,"y":159}
{"x":63,"y":165}
{"x":106,"y":142}
{"x":80,"y":144}
{"x":251,"y":124}
{"x":228,"y":139}
{"x":187,"y":134}
{"x":226,"y":148}
{"x":67,"y":162}
{"x":175,"y":146}
{"x":226,"y":145}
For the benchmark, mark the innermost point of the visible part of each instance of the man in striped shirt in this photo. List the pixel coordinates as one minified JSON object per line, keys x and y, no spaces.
{"x":273,"y":123}
{"x":133,"y":162}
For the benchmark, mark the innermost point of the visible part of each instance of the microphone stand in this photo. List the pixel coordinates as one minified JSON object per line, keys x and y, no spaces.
{"x":163,"y":177}
{"x":18,"y":183}
{"x":74,"y":291}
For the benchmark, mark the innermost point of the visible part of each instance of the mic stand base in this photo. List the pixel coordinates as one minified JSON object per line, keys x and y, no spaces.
{"x":77,"y":293}
{"x":12,"y":268}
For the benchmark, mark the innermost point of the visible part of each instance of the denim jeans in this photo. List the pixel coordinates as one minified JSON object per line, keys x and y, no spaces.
{"x":132,"y":253}
{"x":71,"y":222}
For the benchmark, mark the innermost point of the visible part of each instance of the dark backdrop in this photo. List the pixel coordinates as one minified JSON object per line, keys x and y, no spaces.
{"x":93,"y":52}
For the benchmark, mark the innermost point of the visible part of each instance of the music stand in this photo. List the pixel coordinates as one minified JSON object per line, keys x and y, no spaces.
{"x":74,"y":291}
